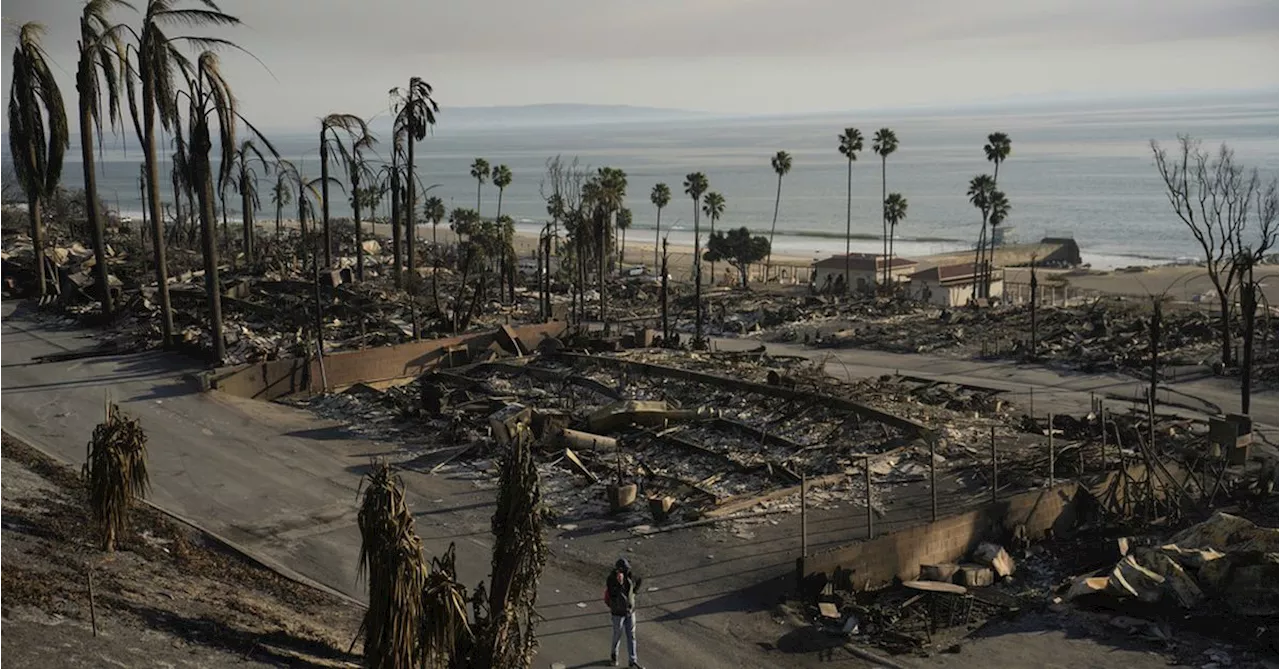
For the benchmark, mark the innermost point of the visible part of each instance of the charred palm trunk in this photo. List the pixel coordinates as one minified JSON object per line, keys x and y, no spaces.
{"x":411,"y":193}
{"x":395,"y":220}
{"x":213,"y":290}
{"x":355,"y":213}
{"x":37,"y":240}
{"x":226,"y":227}
{"x":177,"y":210}
{"x":279,"y":219}
{"x":92,"y":211}
{"x":978,"y":257}
{"x":666,"y":325}
{"x":246,"y":213}
{"x":153,"y":193}
{"x":324,"y":200}
{"x":657,"y":234}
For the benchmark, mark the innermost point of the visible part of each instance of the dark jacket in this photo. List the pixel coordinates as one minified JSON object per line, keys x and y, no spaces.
{"x":621,"y":597}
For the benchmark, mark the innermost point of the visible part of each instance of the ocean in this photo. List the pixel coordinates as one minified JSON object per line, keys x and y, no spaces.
{"x":1085,"y":173}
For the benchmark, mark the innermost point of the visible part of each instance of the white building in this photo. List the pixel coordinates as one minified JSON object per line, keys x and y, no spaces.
{"x":951,"y":285}
{"x":865,"y":271}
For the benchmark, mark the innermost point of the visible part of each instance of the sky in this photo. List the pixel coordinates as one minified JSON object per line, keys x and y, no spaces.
{"x":727,"y":56}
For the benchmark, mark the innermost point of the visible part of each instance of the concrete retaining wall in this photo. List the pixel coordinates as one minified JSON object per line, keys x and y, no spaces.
{"x":278,"y":378}
{"x":899,"y":555}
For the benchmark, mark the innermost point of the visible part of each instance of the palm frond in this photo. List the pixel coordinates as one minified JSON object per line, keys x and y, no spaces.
{"x":116,"y":471}
{"x":392,"y":563}
{"x":194,"y":17}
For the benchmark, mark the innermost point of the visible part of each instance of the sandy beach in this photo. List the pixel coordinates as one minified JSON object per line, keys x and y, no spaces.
{"x":1179,"y":283}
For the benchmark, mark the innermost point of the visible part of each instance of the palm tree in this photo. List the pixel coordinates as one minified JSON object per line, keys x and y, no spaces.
{"x":357,"y":169}
{"x":660,"y":196}
{"x":38,"y":133}
{"x":280,"y":193}
{"x":997,"y":150}
{"x":781,"y":162}
{"x":884,"y":143}
{"x":895,"y":209}
{"x":246,"y":183}
{"x":356,"y":130}
{"x":623,"y":222}
{"x":158,"y":58}
{"x":695,"y":184}
{"x":999,"y":212}
{"x":713,"y":207}
{"x":980,"y":190}
{"x":607,"y":196}
{"x":501,"y":179}
{"x":479,"y":172}
{"x":116,"y":473}
{"x":418,"y":113}
{"x":209,"y":96}
{"x":433,"y":210}
{"x":100,"y":49}
{"x":850,"y":145}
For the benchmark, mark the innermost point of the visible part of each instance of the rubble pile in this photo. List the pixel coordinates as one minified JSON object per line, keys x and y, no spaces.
{"x":1109,"y":335}
{"x":268,"y":305}
{"x":1225,"y":564}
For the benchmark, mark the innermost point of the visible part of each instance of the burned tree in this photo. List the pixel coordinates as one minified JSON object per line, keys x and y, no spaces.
{"x":1215,"y":198}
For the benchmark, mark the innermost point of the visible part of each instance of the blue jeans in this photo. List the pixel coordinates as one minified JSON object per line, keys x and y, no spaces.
{"x":625,"y":623}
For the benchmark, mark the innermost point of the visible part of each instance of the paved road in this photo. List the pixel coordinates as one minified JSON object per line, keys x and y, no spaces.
{"x":283,"y":484}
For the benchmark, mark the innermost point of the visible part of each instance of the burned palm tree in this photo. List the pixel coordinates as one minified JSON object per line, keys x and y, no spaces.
{"x":159,"y":60}
{"x":101,"y":53}
{"x":281,"y":196}
{"x":246,"y":183}
{"x":37,"y":132}
{"x":211,"y":101}
{"x":358,"y":170}
{"x":355,"y":130}
{"x":447,"y":635}
{"x":391,"y":561}
{"x":116,"y":473}
{"x":507,"y":637}
{"x":415,"y":113}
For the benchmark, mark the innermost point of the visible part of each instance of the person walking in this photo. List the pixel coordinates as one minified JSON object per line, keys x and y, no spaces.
{"x":620,"y":596}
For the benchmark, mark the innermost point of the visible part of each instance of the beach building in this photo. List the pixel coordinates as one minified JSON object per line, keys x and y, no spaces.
{"x":951,"y":285}
{"x":865,"y":270}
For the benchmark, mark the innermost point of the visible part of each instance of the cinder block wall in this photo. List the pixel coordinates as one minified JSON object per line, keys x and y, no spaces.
{"x":277,"y":378}
{"x":900,"y":554}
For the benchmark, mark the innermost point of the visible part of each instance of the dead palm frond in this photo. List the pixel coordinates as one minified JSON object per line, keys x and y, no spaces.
{"x":447,"y":636}
{"x":116,"y":472}
{"x":391,"y":560}
{"x":38,"y":132}
{"x":519,"y":555}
